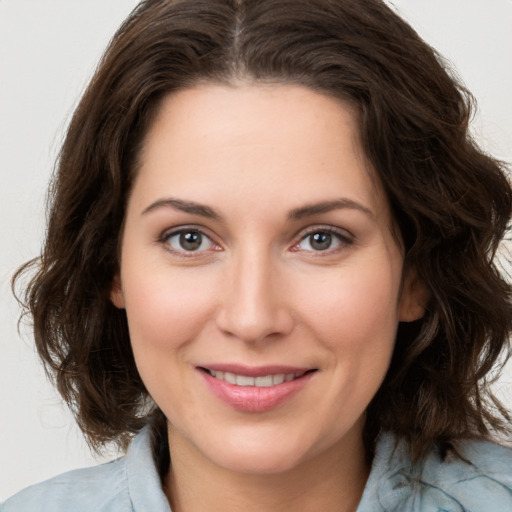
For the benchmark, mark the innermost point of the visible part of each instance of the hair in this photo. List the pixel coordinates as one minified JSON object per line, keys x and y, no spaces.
{"x":450,"y":201}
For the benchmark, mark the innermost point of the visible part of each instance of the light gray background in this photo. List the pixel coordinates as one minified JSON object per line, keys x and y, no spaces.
{"x":48,"y":50}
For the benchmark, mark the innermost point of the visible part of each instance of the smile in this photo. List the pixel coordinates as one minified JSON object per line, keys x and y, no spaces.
{"x":264,"y":381}
{"x":255,"y":390}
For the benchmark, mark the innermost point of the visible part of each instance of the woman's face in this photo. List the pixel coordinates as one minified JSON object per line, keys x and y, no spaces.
{"x":260,"y":276}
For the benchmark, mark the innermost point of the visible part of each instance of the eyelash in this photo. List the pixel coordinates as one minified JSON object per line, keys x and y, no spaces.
{"x":343,"y":238}
{"x":168,"y":235}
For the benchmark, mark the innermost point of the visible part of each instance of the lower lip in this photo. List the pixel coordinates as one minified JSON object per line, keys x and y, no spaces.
{"x":253,"y":398}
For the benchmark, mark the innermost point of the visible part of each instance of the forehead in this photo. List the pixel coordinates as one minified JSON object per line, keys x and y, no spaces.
{"x":284,"y":143}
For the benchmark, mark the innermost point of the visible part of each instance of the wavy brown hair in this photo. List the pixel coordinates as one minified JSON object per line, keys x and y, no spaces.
{"x":450,"y":201}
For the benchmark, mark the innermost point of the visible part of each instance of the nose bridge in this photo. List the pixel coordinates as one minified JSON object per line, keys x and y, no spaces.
{"x":254,"y":306}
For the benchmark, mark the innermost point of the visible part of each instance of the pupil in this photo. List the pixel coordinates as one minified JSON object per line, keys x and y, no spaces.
{"x":321,"y":241}
{"x":191,"y":240}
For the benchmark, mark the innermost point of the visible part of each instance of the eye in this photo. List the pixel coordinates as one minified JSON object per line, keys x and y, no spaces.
{"x":322,"y":240}
{"x":188,"y":240}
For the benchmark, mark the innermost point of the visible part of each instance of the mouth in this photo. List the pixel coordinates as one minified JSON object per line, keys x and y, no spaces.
{"x":255,"y":389}
{"x":262,"y":381}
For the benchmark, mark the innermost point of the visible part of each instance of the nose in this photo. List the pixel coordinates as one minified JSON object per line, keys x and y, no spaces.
{"x":254,"y":305}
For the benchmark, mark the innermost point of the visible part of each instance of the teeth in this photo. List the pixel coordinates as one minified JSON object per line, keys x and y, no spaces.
{"x":264,"y":382}
{"x":279,"y":378}
{"x":242,"y":380}
{"x":228,"y":377}
{"x":261,"y":382}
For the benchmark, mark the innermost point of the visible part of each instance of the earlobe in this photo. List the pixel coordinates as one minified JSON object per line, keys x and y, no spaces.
{"x":414,"y":298}
{"x":116,"y":293}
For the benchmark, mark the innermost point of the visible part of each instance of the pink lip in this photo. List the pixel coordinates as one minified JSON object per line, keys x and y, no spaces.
{"x":253,"y":398}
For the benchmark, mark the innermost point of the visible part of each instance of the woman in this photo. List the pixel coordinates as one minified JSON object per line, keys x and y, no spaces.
{"x":270,"y":256}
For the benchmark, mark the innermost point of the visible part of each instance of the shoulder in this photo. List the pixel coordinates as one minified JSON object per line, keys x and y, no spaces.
{"x":474,"y":476}
{"x":129,"y":484}
{"x":100,"y":488}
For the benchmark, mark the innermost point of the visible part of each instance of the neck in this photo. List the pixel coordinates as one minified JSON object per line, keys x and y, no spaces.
{"x":332,"y":481}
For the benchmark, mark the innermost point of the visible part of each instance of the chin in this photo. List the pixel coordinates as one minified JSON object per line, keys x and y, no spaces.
{"x":260,"y":454}
{"x":259,"y":462}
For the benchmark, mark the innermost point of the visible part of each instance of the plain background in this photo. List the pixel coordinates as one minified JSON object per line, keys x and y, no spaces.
{"x":48,"y":51}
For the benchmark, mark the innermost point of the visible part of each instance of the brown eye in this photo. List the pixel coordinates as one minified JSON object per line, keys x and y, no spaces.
{"x":189,"y":240}
{"x":322,"y":240}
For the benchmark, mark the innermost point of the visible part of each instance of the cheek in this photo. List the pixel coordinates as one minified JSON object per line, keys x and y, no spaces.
{"x":354,"y":315}
{"x":165,"y":309}
{"x":354,"y":304}
{"x":166,"y":312}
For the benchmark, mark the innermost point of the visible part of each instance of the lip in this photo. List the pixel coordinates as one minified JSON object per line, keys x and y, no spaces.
{"x":253,"y":398}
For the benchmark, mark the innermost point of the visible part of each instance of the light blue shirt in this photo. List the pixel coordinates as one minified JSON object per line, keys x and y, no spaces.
{"x":479,"y":480}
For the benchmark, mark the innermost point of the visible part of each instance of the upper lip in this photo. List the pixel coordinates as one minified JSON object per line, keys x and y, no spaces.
{"x":255,"y":371}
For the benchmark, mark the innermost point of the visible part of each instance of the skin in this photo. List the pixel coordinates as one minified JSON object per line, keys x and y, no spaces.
{"x":258,"y":291}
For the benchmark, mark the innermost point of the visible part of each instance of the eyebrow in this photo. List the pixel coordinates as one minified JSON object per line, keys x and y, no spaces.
{"x":295,"y":214}
{"x":184,"y":206}
{"x":328,"y":206}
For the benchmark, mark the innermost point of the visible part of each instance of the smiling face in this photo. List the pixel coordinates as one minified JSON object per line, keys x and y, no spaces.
{"x":260,"y":276}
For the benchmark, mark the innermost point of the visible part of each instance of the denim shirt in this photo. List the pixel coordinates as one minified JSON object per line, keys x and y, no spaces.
{"x":479,"y":479}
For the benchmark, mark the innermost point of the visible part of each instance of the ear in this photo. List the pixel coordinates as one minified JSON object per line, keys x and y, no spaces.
{"x":116,"y":292}
{"x":414,"y":297}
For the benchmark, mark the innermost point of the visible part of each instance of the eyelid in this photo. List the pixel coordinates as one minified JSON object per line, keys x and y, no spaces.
{"x":345,"y":236}
{"x":168,"y":233}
